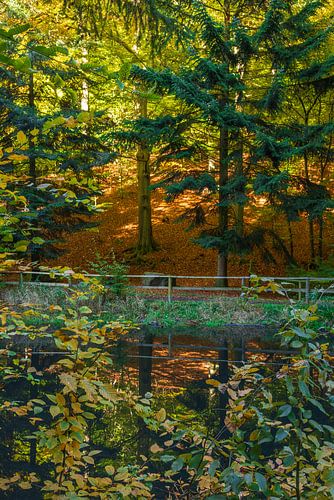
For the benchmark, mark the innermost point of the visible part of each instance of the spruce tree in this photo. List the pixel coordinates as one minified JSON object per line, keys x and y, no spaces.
{"x":220,"y":88}
{"x":299,"y":94}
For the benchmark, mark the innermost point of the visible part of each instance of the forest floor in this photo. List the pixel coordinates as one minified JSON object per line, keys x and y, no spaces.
{"x":177,"y":253}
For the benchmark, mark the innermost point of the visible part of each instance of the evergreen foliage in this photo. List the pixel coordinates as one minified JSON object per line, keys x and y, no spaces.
{"x":50,"y":152}
{"x":218,"y":90}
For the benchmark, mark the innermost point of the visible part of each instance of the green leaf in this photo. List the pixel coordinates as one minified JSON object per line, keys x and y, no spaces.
{"x":301,"y":333}
{"x":284,"y":410}
{"x":78,"y":436}
{"x":281,"y":434}
{"x":64,"y":425}
{"x":55,"y":410}
{"x":167,"y":458}
{"x":318,"y":405}
{"x":261,"y":481}
{"x":22,"y":64}
{"x":17,"y":30}
{"x":195,"y":461}
{"x":38,"y":241}
{"x":21,"y":246}
{"x":37,"y":410}
{"x":213,"y":467}
{"x":88,"y":415}
{"x":296,"y":344}
{"x":304,"y":389}
{"x":288,"y":460}
{"x":51,"y":443}
{"x":8,"y":237}
{"x":177,"y":464}
{"x":85,"y":310}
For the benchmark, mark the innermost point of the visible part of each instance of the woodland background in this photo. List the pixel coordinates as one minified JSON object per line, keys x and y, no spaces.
{"x":206,"y":127}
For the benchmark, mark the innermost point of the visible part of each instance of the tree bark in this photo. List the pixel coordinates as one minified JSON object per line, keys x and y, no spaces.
{"x":312,"y":242}
{"x":145,"y":385}
{"x":222,"y":209}
{"x":145,"y":243}
{"x":32,"y":159}
{"x":321,"y":238}
{"x":310,"y":221}
{"x":292,"y":249}
{"x":239,"y":208}
{"x":34,"y":254}
{"x":223,"y":377}
{"x":84,"y":85}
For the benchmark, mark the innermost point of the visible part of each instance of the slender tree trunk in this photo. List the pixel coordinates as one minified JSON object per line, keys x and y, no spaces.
{"x":145,"y":243}
{"x":32,"y":159}
{"x":84,"y":85}
{"x":239,"y":208}
{"x":35,"y":363}
{"x":34,"y":254}
{"x":321,"y":238}
{"x":223,"y":212}
{"x":291,"y":245}
{"x":310,"y":221}
{"x":223,"y":376}
{"x":145,"y":385}
{"x":222,"y":209}
{"x":312,"y":241}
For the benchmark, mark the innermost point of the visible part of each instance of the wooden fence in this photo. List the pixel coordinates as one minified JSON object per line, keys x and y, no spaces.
{"x":301,"y":288}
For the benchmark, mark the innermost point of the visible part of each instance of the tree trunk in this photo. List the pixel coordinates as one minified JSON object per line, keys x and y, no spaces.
{"x":321,"y":238}
{"x":223,"y":171}
{"x":239,"y":208}
{"x":32,"y":159}
{"x":222,"y":209}
{"x":310,"y":221}
{"x":84,"y":86}
{"x":223,"y":376}
{"x":312,"y":242}
{"x":145,"y":243}
{"x":34,"y":254}
{"x":291,"y":245}
{"x":145,"y":385}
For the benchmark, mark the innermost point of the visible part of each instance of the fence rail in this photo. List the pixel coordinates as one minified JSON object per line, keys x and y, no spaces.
{"x":300,"y":286}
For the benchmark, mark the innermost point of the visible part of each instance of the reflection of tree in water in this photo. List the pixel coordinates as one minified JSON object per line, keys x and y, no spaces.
{"x":144,"y":386}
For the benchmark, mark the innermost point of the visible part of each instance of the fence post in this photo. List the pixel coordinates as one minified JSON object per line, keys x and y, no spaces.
{"x":299,"y":290}
{"x":242,"y":284}
{"x":170,"y":288}
{"x":21,"y":280}
{"x":307,"y":290}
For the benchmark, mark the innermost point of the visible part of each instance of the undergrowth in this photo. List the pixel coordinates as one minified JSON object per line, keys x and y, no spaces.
{"x":213,"y":313}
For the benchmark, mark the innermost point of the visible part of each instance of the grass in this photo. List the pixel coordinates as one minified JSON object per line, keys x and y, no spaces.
{"x":214,"y":313}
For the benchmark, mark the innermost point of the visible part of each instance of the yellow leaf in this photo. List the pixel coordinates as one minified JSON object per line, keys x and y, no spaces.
{"x":24,"y":485}
{"x":21,"y":137}
{"x":156,"y":448}
{"x":213,"y":382}
{"x":161,"y":415}
{"x":68,"y":381}
{"x":110,"y":469}
{"x":17,"y":157}
{"x":253,"y":435}
{"x":55,"y":410}
{"x":3,"y":318}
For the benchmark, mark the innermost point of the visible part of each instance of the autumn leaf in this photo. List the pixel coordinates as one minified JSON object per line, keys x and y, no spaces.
{"x":68,"y":381}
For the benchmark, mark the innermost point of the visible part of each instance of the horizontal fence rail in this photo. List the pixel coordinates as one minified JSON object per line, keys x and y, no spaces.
{"x":301,"y":287}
